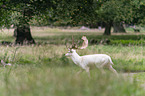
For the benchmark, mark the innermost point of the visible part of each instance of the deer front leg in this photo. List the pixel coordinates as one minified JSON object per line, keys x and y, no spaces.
{"x":102,"y":70}
{"x":88,"y":71}
{"x":81,"y":70}
{"x":101,"y":67}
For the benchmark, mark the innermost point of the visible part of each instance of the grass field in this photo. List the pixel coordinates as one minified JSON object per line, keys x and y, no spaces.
{"x":43,"y":70}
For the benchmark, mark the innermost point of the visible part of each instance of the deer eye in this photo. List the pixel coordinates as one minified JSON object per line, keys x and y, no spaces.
{"x":71,"y":51}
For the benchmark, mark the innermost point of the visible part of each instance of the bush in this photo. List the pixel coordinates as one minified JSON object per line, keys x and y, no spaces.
{"x":131,"y":65}
{"x":127,"y":42}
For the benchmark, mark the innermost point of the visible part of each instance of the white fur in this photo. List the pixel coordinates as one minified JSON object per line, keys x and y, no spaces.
{"x":89,"y":61}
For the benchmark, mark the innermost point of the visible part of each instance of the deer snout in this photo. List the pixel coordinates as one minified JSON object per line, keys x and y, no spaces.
{"x":67,"y":54}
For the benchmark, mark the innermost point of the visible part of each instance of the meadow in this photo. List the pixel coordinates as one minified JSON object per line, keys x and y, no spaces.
{"x":43,"y":69}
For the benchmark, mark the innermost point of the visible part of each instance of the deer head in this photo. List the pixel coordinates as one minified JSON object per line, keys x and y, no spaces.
{"x":70,"y":52}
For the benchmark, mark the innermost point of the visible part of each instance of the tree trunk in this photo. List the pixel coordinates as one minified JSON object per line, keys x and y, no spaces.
{"x":108,"y":28}
{"x":23,"y":35}
{"x":118,"y":28}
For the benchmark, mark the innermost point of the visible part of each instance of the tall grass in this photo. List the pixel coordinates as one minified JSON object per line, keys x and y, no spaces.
{"x":43,"y":70}
{"x":58,"y":81}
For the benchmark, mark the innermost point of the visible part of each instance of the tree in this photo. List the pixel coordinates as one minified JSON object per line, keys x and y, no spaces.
{"x":20,"y":12}
{"x":138,"y":7}
{"x":112,"y":12}
{"x":118,"y":28}
{"x":85,"y":12}
{"x":68,"y":12}
{"x":78,"y":12}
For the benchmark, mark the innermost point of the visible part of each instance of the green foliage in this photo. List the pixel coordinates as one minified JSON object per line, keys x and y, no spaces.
{"x":138,"y":11}
{"x":66,"y":12}
{"x":140,"y":77}
{"x":87,"y":12}
{"x":22,"y":11}
{"x":115,"y":11}
{"x":129,"y":65}
{"x":127,"y":42}
{"x":57,"y":61}
{"x":31,"y":81}
{"x":77,"y":12}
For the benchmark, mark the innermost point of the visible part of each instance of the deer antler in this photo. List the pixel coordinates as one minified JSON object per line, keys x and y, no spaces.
{"x":68,"y":47}
{"x":72,"y":44}
{"x":73,"y":41}
{"x":75,"y":45}
{"x":85,"y":42}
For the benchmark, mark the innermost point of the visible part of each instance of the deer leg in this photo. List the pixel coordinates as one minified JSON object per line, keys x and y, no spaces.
{"x":102,"y":70}
{"x":88,"y":71}
{"x":113,"y":70}
{"x":79,"y":72}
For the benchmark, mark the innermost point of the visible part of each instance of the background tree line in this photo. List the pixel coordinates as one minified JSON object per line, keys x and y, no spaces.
{"x":110,"y":13}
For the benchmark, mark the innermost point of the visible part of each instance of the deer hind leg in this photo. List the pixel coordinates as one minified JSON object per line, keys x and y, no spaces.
{"x":113,"y":70}
{"x":102,"y":70}
{"x":101,"y":67}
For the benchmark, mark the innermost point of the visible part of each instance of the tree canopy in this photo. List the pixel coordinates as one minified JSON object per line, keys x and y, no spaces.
{"x":17,"y":10}
{"x":69,"y":12}
{"x":20,"y":12}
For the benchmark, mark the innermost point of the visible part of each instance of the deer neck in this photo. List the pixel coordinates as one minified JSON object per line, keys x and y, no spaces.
{"x":76,"y":58}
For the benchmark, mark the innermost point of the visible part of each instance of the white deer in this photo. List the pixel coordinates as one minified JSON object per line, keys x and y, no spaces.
{"x":88,"y":61}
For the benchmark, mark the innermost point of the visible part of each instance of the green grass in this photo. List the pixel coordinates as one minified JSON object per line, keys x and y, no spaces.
{"x":43,"y":70}
{"x":58,"y":81}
